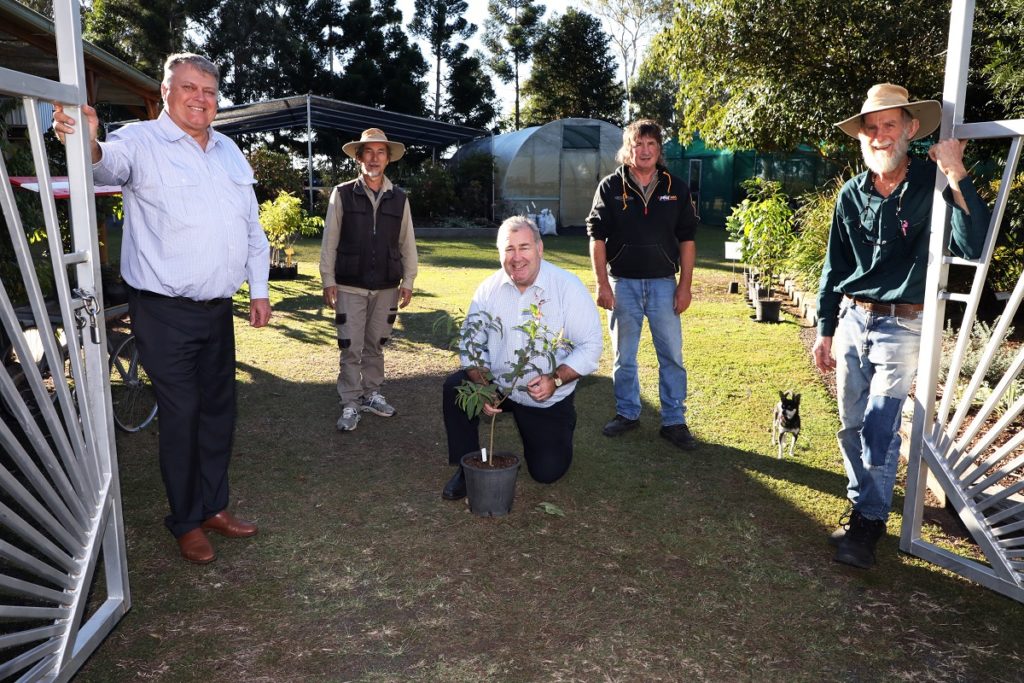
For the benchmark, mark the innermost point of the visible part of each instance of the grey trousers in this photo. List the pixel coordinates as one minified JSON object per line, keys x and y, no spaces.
{"x":364,"y":321}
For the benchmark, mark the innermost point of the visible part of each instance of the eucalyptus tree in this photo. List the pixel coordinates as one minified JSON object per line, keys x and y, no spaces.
{"x":631,"y":24}
{"x":510,"y":35}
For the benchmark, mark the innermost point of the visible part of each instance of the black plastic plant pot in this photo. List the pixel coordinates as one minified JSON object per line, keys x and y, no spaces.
{"x":767,"y":310}
{"x":734,"y":288}
{"x":490,"y":489}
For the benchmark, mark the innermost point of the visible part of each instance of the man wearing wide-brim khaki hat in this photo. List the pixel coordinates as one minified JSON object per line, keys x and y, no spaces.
{"x":886,"y":96}
{"x":367,"y":265}
{"x":396,"y":150}
{"x":872,"y":290}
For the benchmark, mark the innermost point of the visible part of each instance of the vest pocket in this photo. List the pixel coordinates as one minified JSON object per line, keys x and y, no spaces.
{"x":394,"y":264}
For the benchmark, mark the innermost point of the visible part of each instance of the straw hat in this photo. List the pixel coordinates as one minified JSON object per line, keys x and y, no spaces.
{"x":888,"y":96}
{"x":374,"y":135}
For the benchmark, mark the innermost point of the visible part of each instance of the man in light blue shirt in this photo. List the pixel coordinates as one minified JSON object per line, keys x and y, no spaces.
{"x":545,"y":413}
{"x":191,"y":237}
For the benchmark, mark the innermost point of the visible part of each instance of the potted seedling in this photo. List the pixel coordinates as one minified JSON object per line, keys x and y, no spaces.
{"x":491,"y":475}
{"x":284,"y":221}
{"x":763,"y":225}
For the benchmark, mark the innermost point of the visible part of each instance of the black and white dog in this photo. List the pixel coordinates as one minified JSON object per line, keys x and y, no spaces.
{"x":787,"y":420}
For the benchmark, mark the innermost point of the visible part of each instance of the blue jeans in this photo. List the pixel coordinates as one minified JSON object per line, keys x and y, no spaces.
{"x":654,"y":298}
{"x":876,"y":360}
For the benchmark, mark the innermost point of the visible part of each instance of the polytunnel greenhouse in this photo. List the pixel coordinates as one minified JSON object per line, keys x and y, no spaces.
{"x":555,"y":166}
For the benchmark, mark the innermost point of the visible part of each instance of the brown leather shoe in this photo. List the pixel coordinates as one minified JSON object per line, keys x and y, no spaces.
{"x":226,"y":524}
{"x":195,"y":547}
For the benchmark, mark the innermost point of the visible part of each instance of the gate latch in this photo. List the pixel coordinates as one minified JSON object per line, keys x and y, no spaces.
{"x":88,"y":314}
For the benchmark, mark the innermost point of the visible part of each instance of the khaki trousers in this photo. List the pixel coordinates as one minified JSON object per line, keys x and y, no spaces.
{"x":364,"y":321}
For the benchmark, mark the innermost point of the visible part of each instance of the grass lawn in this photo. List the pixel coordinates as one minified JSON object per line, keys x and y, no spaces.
{"x":666,"y":565}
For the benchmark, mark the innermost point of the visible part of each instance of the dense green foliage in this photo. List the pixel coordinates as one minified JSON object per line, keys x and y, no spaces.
{"x":759,"y":75}
{"x":1008,"y":257}
{"x":813,"y":220}
{"x":763,"y":225}
{"x":285,"y":221}
{"x":274,"y":173}
{"x":470,"y":98}
{"x":450,"y":191}
{"x":653,"y":96}
{"x":566,"y":81}
{"x":142,"y":33}
{"x":431,"y":191}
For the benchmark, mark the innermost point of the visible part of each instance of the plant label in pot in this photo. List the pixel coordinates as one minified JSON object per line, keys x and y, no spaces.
{"x":490,"y":485}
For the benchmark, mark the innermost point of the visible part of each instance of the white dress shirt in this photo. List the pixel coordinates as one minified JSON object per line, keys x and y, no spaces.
{"x":191,"y":222}
{"x":565,"y":305}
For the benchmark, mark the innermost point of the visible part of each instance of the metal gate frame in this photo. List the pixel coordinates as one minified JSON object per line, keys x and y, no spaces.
{"x":60,"y":508}
{"x":964,"y":456}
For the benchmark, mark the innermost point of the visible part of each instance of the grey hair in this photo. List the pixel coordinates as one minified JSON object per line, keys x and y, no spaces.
{"x":513,"y":223}
{"x":198,"y":61}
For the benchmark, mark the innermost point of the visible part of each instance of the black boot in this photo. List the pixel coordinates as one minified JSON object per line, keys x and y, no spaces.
{"x":857,"y":547}
{"x":844,"y":525}
{"x":455,"y":489}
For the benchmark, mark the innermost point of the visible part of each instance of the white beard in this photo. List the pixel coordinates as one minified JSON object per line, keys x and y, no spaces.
{"x":882,"y":161}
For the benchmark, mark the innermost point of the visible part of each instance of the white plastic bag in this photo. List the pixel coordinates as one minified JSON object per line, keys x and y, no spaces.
{"x":546,"y":223}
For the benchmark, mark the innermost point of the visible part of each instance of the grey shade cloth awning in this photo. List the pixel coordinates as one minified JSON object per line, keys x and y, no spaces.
{"x":300,"y":111}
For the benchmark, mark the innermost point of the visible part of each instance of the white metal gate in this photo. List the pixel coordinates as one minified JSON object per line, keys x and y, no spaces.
{"x":63,"y":568}
{"x":975,"y":452}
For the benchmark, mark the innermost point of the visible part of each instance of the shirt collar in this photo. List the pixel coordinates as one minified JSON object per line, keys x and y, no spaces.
{"x":172,"y":133}
{"x":384,"y":188}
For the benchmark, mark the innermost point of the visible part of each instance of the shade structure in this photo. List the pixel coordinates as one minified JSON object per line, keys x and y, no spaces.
{"x":323,"y":113}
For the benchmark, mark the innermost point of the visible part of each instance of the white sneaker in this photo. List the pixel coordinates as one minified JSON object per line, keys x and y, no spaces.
{"x":348,"y":420}
{"x":378,"y":405}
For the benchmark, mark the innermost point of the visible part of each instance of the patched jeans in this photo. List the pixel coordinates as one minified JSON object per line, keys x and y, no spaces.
{"x":876,"y":360}
{"x":654,"y":298}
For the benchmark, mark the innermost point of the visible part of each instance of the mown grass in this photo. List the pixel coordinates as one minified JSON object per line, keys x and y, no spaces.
{"x":666,"y":566}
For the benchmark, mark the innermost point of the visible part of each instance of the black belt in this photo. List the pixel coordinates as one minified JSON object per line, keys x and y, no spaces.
{"x":210,"y":303}
{"x":885,"y":308}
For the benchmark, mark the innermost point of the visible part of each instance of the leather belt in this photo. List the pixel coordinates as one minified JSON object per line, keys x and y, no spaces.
{"x":146,"y":294}
{"x":884,"y":308}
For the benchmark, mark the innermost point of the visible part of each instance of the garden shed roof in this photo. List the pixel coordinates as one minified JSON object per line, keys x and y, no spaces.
{"x":302,"y":111}
{"x":28,"y":45}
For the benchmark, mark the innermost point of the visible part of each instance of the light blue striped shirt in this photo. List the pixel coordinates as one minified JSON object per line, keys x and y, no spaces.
{"x":191,"y":222}
{"x":565,"y":305}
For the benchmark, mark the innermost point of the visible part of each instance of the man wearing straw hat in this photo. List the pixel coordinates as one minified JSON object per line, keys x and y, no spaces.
{"x":871,"y":294}
{"x":367,"y":264}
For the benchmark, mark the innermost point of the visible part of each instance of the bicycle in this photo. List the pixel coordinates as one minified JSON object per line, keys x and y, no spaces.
{"x":131,"y":393}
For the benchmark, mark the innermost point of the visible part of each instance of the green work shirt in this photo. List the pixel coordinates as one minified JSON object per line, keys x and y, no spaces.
{"x":878,"y":246}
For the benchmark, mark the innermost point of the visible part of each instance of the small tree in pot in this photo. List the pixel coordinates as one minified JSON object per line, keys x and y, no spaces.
{"x":284,"y":221}
{"x":763,"y":225}
{"x":536,"y":355}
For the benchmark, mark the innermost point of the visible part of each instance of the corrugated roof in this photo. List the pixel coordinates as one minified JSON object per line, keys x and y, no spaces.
{"x":326,"y":113}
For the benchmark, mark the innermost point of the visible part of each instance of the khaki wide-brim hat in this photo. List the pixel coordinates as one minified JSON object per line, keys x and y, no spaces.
{"x":374,"y":135}
{"x":888,"y":96}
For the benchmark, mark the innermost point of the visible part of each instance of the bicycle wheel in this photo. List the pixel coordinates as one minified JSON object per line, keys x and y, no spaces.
{"x":131,"y":392}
